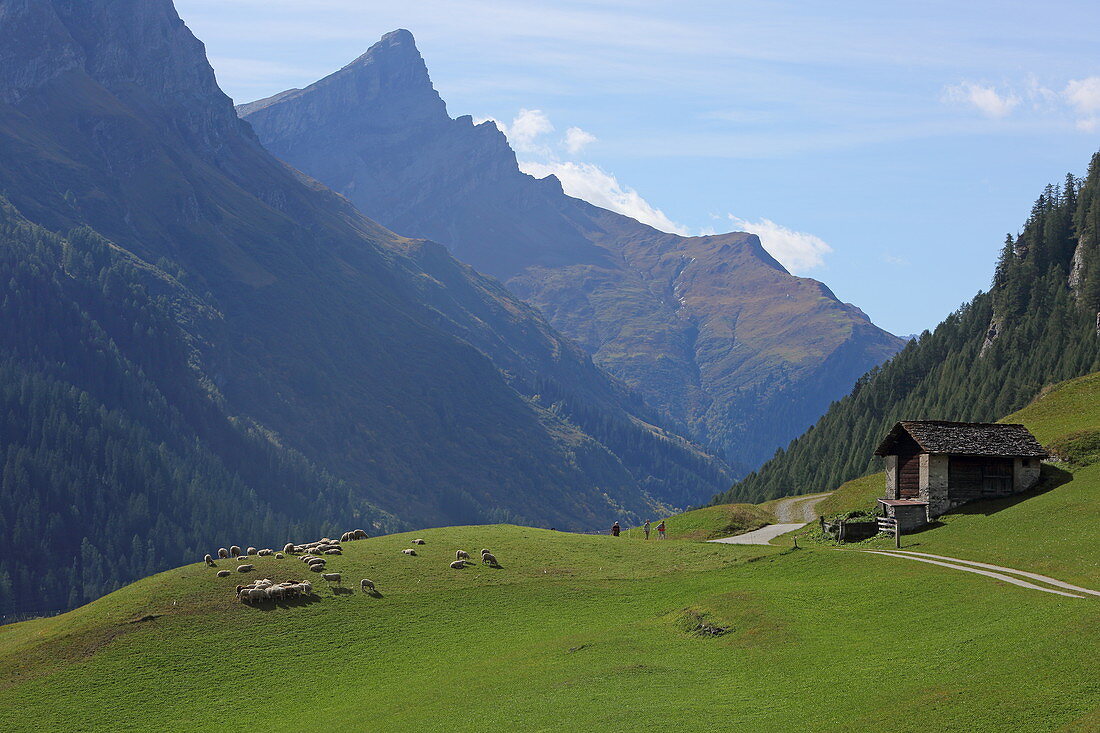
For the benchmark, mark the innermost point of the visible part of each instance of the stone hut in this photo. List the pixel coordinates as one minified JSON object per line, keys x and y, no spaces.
{"x":933,"y":466}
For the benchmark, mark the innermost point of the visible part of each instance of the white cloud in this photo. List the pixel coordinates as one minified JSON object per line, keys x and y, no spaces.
{"x":797,"y":251}
{"x":576,"y":139}
{"x":596,"y":186}
{"x":1084,"y":96}
{"x":526,"y":128}
{"x":985,"y":99}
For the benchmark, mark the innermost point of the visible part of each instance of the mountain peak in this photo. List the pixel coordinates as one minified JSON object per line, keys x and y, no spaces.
{"x":397,"y":46}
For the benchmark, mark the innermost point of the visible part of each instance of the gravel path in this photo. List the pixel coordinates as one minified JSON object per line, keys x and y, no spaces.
{"x":993,"y":571}
{"x":793,"y":513}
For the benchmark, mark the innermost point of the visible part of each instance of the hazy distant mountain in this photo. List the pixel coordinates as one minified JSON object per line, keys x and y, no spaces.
{"x":201,"y":345}
{"x":712,"y":329}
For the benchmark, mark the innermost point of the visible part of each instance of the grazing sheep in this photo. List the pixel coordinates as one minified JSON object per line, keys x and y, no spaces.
{"x":331,"y":577}
{"x":489,"y":559}
{"x":458,"y":564}
{"x":418,"y":541}
{"x":366,"y":585}
{"x":307,"y":588}
{"x":334,"y":551}
{"x":244,"y":568}
{"x":250,"y":551}
{"x":409,"y":552}
{"x":317,"y":561}
{"x":360,"y":534}
{"x":223,"y":553}
{"x":259,"y":594}
{"x":485,"y":552}
{"x":462,"y":555}
{"x":223,"y":573}
{"x":264,"y":552}
{"x":235,"y":551}
{"x":279,"y":556}
{"x":317,"y":568}
{"x":209,"y":561}
{"x":288,"y":547}
{"x":345,"y":537}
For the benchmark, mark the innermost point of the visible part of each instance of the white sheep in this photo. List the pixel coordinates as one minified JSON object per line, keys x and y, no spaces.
{"x":462,"y":555}
{"x":250,"y":551}
{"x":332,"y":577}
{"x":279,"y":556}
{"x":210,"y":561}
{"x":485,"y":552}
{"x":307,"y":587}
{"x":458,"y":564}
{"x":317,"y":568}
{"x":409,"y":552}
{"x":334,"y":551}
{"x":235,"y":551}
{"x":259,"y":594}
{"x":366,"y":585}
{"x":223,"y":553}
{"x":244,"y":568}
{"x":418,"y":541}
{"x":265,"y":552}
{"x":345,"y":537}
{"x":489,"y":559}
{"x":360,"y":534}
{"x":288,"y":547}
{"x":223,"y":573}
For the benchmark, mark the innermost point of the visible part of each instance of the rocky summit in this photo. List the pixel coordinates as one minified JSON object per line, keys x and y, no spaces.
{"x":737,"y":351}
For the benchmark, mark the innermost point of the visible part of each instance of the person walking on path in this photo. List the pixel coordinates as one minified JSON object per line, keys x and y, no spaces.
{"x":615,"y":529}
{"x":661,"y":530}
{"x":645,"y":528}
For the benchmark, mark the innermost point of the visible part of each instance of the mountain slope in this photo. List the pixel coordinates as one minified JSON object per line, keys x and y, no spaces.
{"x":711,"y":329}
{"x":1037,"y":326}
{"x":405,"y":383}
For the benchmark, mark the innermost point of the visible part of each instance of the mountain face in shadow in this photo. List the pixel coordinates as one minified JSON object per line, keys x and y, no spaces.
{"x":214,"y":348}
{"x":741,"y":354}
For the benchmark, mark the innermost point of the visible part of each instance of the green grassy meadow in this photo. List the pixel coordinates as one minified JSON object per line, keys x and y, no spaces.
{"x":594,"y":632}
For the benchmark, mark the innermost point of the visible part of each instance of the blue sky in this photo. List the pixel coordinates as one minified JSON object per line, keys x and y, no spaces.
{"x":884,"y":148}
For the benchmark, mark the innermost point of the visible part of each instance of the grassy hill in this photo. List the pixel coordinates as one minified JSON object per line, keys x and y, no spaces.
{"x":1049,"y":530}
{"x":597,"y":632}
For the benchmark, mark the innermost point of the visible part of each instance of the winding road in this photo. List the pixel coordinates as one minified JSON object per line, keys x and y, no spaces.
{"x":793,"y":513}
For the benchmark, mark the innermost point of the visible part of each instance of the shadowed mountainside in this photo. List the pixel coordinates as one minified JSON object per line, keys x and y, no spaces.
{"x":711,"y":329}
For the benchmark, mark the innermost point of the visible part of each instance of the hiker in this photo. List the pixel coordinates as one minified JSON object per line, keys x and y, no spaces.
{"x":615,"y":529}
{"x":661,"y":530}
{"x":645,"y":528}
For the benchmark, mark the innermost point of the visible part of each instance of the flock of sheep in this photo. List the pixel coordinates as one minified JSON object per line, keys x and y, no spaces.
{"x":312,"y":554}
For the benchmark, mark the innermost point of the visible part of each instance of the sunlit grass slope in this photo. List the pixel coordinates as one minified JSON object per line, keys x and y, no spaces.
{"x":573,"y":632}
{"x":715,"y":521}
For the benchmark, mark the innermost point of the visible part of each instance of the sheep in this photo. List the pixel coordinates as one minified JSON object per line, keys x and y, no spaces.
{"x":307,"y":588}
{"x":317,"y":568}
{"x":489,"y":559}
{"x":462,"y":555}
{"x":259,"y":594}
{"x":418,"y":541}
{"x":360,"y":534}
{"x":288,"y":547}
{"x":250,"y":551}
{"x":264,"y":552}
{"x":332,"y":577}
{"x":235,"y":551}
{"x":345,"y":537}
{"x":458,"y":564}
{"x":485,"y":552}
{"x":334,"y":551}
{"x":409,"y":552}
{"x":223,"y":573}
{"x":244,"y":568}
{"x":317,"y":561}
{"x":279,"y":556}
{"x":366,"y":585}
{"x":223,"y":553}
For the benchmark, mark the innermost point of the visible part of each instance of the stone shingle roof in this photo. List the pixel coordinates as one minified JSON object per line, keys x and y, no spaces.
{"x":965,"y":438}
